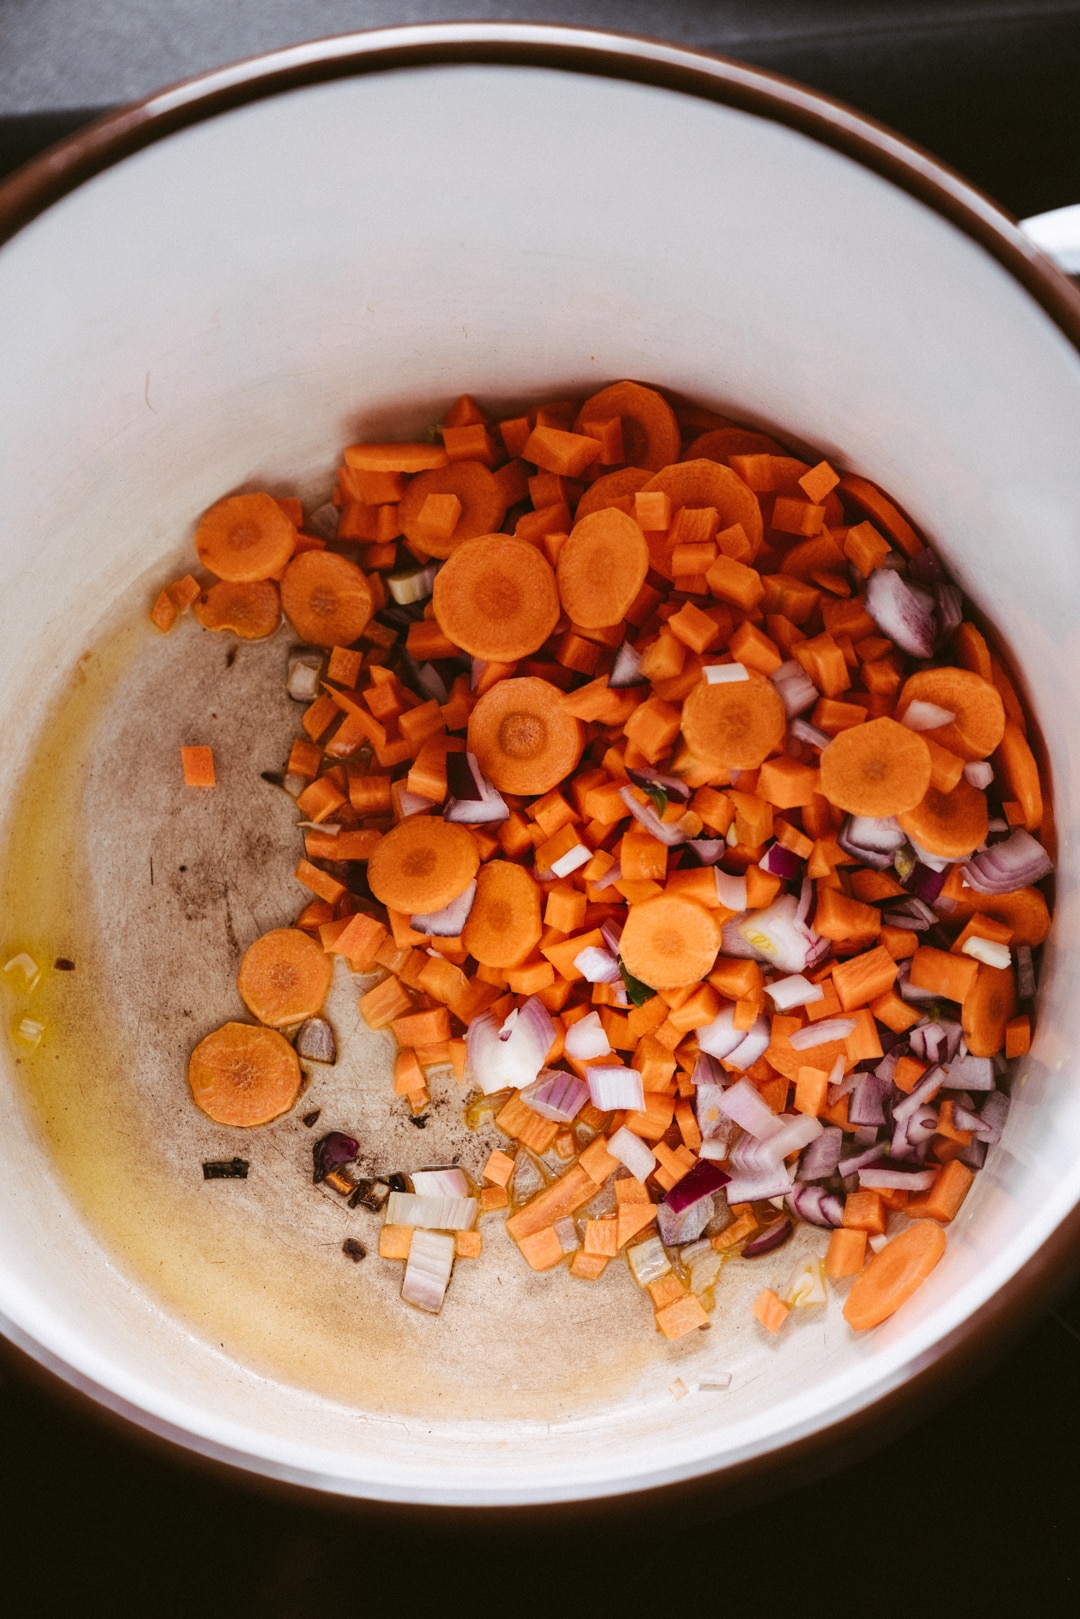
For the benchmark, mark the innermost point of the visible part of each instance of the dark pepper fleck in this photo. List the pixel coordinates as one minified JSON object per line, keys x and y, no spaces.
{"x":63,"y":965}
{"x":225,"y":1169}
{"x":353,"y":1250}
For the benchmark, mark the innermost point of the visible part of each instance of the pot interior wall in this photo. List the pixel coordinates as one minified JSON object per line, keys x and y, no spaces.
{"x":228,"y":308}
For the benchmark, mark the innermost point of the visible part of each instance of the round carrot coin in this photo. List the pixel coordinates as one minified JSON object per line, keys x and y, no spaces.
{"x":651,"y":436}
{"x":601,"y":568}
{"x":952,"y":824}
{"x":878,"y":768}
{"x":523,"y":738}
{"x":244,"y":538}
{"x":244,"y":1074}
{"x":496,"y":598}
{"x":668,"y":941}
{"x":710,"y":483}
{"x":284,"y":977}
{"x":736,"y":725}
{"x":483,"y":505}
{"x":893,"y":1275}
{"x":326,"y":598}
{"x":251,"y":611}
{"x":423,"y":863}
{"x":504,"y":927}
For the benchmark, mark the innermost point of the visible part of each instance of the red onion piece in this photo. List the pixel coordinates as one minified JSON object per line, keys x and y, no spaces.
{"x":611,"y":933}
{"x":447,"y":923}
{"x":708,"y":850}
{"x":672,"y":785}
{"x":632,"y":1153}
{"x":1025,"y":972}
{"x":794,"y":687}
{"x":556,"y":1095}
{"x":925,"y":884}
{"x":793,"y":991}
{"x":803,"y":731}
{"x":731,"y":890}
{"x":821,"y":1157}
{"x":626,"y":669}
{"x":782,"y":863}
{"x":744,"y":1103}
{"x":903,"y":612}
{"x":818,"y":1034}
{"x":330,"y":1152}
{"x":925,"y":1090}
{"x":938,"y":1040}
{"x":490,"y":806}
{"x":926,"y":567}
{"x":586,"y":1038}
{"x":431,"y":683}
{"x":869,"y":839}
{"x":597,"y":966}
{"x":950,"y":608}
{"x":919,"y":1180}
{"x":992,"y":1118}
{"x":774,"y":935}
{"x":440,"y":1183}
{"x":774,"y":1236}
{"x":816,"y":1206}
{"x":612,"y":1087}
{"x":970,"y":1073}
{"x":700,"y":1182}
{"x":461,"y":781}
{"x":865,"y":1106}
{"x":664,"y":831}
{"x":610,"y":877}
{"x":1017,"y":862}
{"x":428,"y":1270}
{"x":858,"y":1160}
{"x":511,"y":1053}
{"x":754,"y":1188}
{"x":979,"y":772}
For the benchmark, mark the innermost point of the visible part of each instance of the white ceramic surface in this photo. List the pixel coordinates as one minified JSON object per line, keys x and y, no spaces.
{"x":239,"y":299}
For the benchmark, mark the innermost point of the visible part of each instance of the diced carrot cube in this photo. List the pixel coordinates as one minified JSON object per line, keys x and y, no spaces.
{"x":198,"y":766}
{"x":770,"y":1310}
{"x":846,"y":1253}
{"x":541,"y":1248}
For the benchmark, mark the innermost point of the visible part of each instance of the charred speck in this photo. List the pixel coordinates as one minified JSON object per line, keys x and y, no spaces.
{"x":230,"y":656}
{"x":353,"y":1250}
{"x":310,"y":1118}
{"x":183,"y":868}
{"x":331,"y":1152}
{"x":369,"y":1195}
{"x":274,"y":777}
{"x":420,"y":1122}
{"x":226,"y":1169}
{"x":397,"y":1183}
{"x":63,"y":965}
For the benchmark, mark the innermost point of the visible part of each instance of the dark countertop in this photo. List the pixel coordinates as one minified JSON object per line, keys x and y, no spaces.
{"x":977,"y":1508}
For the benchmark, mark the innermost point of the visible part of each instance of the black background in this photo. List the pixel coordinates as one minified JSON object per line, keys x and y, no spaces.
{"x":976,"y":1509}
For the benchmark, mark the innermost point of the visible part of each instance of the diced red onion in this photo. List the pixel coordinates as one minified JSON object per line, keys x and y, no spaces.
{"x":934,"y":862}
{"x":870,"y":839}
{"x":914,"y":1132}
{"x":687,"y":1225}
{"x":926,"y":567}
{"x":626,"y":669}
{"x":474,"y":811}
{"x":820,"y":1159}
{"x":664,"y":831}
{"x":731,"y":891}
{"x":774,"y":1236}
{"x":970,"y":1073}
{"x":633,"y":1153}
{"x":963,"y":1114}
{"x":709,"y":851}
{"x":992,"y":1117}
{"x":700,"y":1182}
{"x":858,"y":1160}
{"x":587,"y":1038}
{"x":511,"y":1053}
{"x":950,"y":608}
{"x":440,"y":1182}
{"x":750,"y":1156}
{"x":612,"y":1087}
{"x":556,"y":1095}
{"x":902,"y":611}
{"x":712,"y":1121}
{"x":817,"y":1206}
{"x":936,"y":1040}
{"x":462,"y":780}
{"x":331,"y":1152}
{"x":865,"y":1105}
{"x":1017,"y":862}
{"x":610,"y":877}
{"x":803,"y":731}
{"x":782,"y":862}
{"x":413,"y":586}
{"x":979,"y":773}
{"x":744,"y":1103}
{"x":447,"y":923}
{"x":908,"y":991}
{"x":672,"y":785}
{"x":793,"y":991}
{"x":579,"y":855}
{"x":611,"y":933}
{"x":433,"y":1213}
{"x":431,"y":682}
{"x":819,"y":1034}
{"x":304,"y":674}
{"x":597,"y":966}
{"x":922,"y":716}
{"x":774,"y":934}
{"x":796,"y":690}
{"x":1025,"y":972}
{"x":927,"y":1087}
{"x":919,"y":1180}
{"x":428,"y":1270}
{"x":414,"y":804}
{"x":925,"y":883}
{"x":754,"y":1188}
{"x":754,"y":1044}
{"x":323,"y":521}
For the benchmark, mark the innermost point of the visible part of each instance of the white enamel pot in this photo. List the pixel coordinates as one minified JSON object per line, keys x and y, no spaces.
{"x":235,"y":278}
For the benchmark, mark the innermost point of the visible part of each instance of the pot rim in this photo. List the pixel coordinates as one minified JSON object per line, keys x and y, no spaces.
{"x":119,"y":134}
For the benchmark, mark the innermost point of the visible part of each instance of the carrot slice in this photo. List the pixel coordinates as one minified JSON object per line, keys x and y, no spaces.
{"x":710,"y":483}
{"x":615,"y":486}
{"x":651,"y":436}
{"x":601,"y":568}
{"x":735,"y":725}
{"x":496,"y":598}
{"x":720,"y":443}
{"x":877,"y":506}
{"x":423,"y":863}
{"x":326,"y":598}
{"x":483,"y":505}
{"x":894,"y":1274}
{"x":503,"y":928}
{"x":987,"y":1008}
{"x":669,"y":941}
{"x":980,"y":713}
{"x":284,"y":977}
{"x":523,"y":738}
{"x":244,"y":1074}
{"x":244,"y":538}
{"x":948,"y":824}
{"x":879,"y":768}
{"x":250,"y":611}
{"x":1015,"y":761}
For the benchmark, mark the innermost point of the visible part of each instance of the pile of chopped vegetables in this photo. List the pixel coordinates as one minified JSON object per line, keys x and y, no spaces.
{"x":676,"y":804}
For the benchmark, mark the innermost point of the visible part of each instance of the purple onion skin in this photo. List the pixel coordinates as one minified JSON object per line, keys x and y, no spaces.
{"x":460,"y":781}
{"x":705,"y":1178}
{"x":817,"y":1206}
{"x":330,"y":1152}
{"x":774,"y":1236}
{"x":819,"y":1160}
{"x":924,"y":883}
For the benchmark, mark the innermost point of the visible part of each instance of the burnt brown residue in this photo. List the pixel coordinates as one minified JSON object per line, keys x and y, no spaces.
{"x":419,"y":1120}
{"x":274,"y":777}
{"x":230,"y":656}
{"x":226,"y":1169}
{"x":311,"y":1118}
{"x":353,"y":1250}
{"x":63,"y":965}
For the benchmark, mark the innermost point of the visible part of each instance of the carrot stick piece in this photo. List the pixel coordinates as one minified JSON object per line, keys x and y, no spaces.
{"x":198,"y":766}
{"x":894,"y":1274}
{"x":395,"y":457}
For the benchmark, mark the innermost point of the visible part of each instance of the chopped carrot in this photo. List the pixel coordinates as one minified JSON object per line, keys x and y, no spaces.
{"x":894,"y":1274}
{"x":245,"y":538}
{"x":879,"y":768}
{"x":770,"y":1310}
{"x":326,"y":598}
{"x":251,"y":611}
{"x":244,"y":1074}
{"x":198,"y":767}
{"x":524,"y":740}
{"x":736,"y":724}
{"x":601,"y":568}
{"x":284,"y":977}
{"x":422,"y":864}
{"x":650,"y":432}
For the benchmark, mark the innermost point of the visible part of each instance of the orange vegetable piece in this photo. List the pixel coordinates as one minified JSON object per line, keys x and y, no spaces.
{"x":483,"y":506}
{"x":601,"y":568}
{"x":250,"y":611}
{"x":244,"y":1074}
{"x":987,"y":1008}
{"x":395,"y":457}
{"x":651,"y":436}
{"x":326,"y":598}
{"x":670,"y":940}
{"x":422,"y":864}
{"x":503,"y":927}
{"x":613,"y":489}
{"x":522,"y":736}
{"x":1015,"y":763}
{"x":244,"y":538}
{"x":894,"y":1274}
{"x":980,"y":713}
{"x":735,"y":725}
{"x":710,"y":483}
{"x":770,"y":1310}
{"x":198,"y":765}
{"x":496,"y":598}
{"x":942,"y":1202}
{"x":846,"y":1253}
{"x":284,"y":977}
{"x":879,"y":768}
{"x":948,"y":824}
